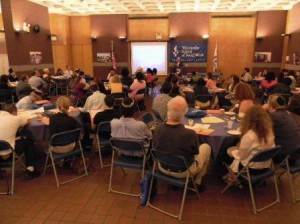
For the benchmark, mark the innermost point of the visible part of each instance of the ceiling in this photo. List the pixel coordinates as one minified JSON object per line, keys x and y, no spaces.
{"x":88,"y":7}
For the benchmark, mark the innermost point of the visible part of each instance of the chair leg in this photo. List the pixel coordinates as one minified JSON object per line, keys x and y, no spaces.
{"x":292,"y":186}
{"x":54,"y":170}
{"x":12,"y":187}
{"x":99,"y":149}
{"x":111,"y":171}
{"x":252,"y":197}
{"x":183,"y":198}
{"x":46,"y":163}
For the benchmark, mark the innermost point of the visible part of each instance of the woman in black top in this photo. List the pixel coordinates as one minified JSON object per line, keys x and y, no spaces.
{"x":200,"y":88}
{"x":62,"y":122}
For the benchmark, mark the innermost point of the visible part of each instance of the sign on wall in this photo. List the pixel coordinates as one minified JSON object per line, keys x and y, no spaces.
{"x":103,"y":57}
{"x":263,"y":57}
{"x":188,"y":51}
{"x":35,"y":57}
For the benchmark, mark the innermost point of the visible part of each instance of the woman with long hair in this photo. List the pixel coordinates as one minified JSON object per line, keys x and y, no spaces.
{"x":244,"y":98}
{"x":256,"y":136}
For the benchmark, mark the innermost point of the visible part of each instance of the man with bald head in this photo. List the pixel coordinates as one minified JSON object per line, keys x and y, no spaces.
{"x":174,"y":138}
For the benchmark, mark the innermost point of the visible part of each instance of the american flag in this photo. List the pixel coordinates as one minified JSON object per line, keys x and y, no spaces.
{"x":113,"y":60}
{"x":215,"y":59}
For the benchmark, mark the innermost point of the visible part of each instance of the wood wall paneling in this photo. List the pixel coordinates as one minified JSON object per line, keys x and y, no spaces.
{"x":294,"y":25}
{"x":235,"y":38}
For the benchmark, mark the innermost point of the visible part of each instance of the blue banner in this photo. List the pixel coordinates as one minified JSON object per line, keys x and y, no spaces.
{"x":188,"y":51}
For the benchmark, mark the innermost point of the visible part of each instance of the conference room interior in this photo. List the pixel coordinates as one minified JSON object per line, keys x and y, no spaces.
{"x":77,"y":39}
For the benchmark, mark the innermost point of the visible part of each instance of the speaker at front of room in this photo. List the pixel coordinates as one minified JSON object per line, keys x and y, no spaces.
{"x":36,"y":28}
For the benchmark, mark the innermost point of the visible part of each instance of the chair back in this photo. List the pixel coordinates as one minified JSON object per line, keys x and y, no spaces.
{"x":5,"y":95}
{"x":168,"y":161}
{"x":127,"y":147}
{"x":266,"y":155}
{"x":148,"y":119}
{"x":157,"y":115}
{"x":104,"y":129}
{"x":4,"y":145}
{"x":65,"y":138}
{"x":141,"y":91}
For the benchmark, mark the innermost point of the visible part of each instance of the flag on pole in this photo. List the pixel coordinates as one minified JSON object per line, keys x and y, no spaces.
{"x":113,"y":58}
{"x":215,"y":59}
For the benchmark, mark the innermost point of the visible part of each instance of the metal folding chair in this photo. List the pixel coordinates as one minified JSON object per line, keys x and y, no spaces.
{"x":61,"y":139}
{"x":128,"y":154}
{"x":102,"y":137}
{"x":173,"y":163}
{"x":258,"y":178}
{"x":10,"y":164}
{"x":157,"y":116}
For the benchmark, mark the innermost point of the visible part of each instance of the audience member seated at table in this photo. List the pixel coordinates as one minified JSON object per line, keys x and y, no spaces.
{"x":195,"y":77}
{"x":68,"y":72}
{"x":150,"y":77}
{"x":176,"y":90}
{"x":210,"y":83}
{"x":269,"y":81}
{"x":282,"y":86}
{"x":94,"y":101}
{"x":160,"y":102}
{"x":109,"y":112}
{"x":115,"y":84}
{"x":263,"y":73}
{"x":78,"y":91}
{"x":4,"y":82}
{"x":285,"y":129}
{"x":62,"y":122}
{"x":82,"y":75}
{"x":27,"y":102}
{"x":228,"y":100}
{"x":59,"y":72}
{"x":246,"y":76}
{"x":10,"y":124}
{"x":23,"y":88}
{"x":127,"y":127}
{"x":256,"y":136}
{"x":12,"y":77}
{"x":138,"y":84}
{"x":126,"y":80}
{"x":36,"y":81}
{"x":173,"y":137}
{"x":294,"y":108}
{"x":244,"y":99}
{"x":200,"y":88}
{"x":292,"y":75}
{"x":111,"y":74}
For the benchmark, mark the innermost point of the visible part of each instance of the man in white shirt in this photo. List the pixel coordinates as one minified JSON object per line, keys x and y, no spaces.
{"x":68,"y":72}
{"x":27,"y":102}
{"x":94,"y":101}
{"x":10,"y":123}
{"x":36,"y":81}
{"x":247,"y":77}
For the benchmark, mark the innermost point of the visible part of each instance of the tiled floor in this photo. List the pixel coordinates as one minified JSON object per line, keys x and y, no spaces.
{"x":87,"y":201}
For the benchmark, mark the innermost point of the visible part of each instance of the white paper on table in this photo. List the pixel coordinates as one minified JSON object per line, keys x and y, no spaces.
{"x":39,"y":110}
{"x":27,"y":114}
{"x":211,"y":120}
{"x":197,"y":126}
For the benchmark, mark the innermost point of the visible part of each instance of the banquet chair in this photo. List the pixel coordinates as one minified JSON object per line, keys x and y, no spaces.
{"x":61,"y":139}
{"x":137,"y":100}
{"x":173,"y":163}
{"x":102,"y":138}
{"x":118,"y":98}
{"x":10,"y":164}
{"x":157,"y":116}
{"x":204,"y":101}
{"x":292,"y":168}
{"x":62,"y":84}
{"x":259,"y":178}
{"x":128,"y":154}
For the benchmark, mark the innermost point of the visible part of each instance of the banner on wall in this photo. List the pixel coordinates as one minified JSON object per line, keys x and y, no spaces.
{"x":35,"y":57}
{"x":263,"y":57}
{"x":188,"y":51}
{"x":103,"y":57}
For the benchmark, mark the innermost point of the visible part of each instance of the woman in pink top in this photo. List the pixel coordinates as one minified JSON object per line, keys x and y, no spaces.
{"x":138,"y":84}
{"x":210,"y":83}
{"x":269,"y":81}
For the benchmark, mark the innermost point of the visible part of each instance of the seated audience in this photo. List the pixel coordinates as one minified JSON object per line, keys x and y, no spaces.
{"x":294,"y":109}
{"x":246,"y":77}
{"x":228,"y":100}
{"x":36,"y":81}
{"x":285,"y":129}
{"x":115,"y":84}
{"x":160,"y":102}
{"x":126,"y":79}
{"x":269,"y":81}
{"x":111,"y":73}
{"x":12,"y":77}
{"x":176,"y":90}
{"x":68,"y":72}
{"x":10,"y":124}
{"x":256,"y":136}
{"x":59,"y":72}
{"x":27,"y":102}
{"x":62,"y":122}
{"x":127,"y":127}
{"x":173,"y":137}
{"x":150,"y":77}
{"x":210,"y":83}
{"x":138,"y":84}
{"x":4,"y":82}
{"x":200,"y":88}
{"x":281,"y":87}
{"x":94,"y":101}
{"x":23,"y":88}
{"x":78,"y":91}
{"x":244,"y":98}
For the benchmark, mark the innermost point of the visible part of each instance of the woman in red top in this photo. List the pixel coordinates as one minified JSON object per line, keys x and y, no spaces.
{"x":210,"y":83}
{"x":78,"y":91}
{"x":269,"y":81}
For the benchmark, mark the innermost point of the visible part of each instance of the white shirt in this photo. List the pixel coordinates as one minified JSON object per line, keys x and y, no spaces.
{"x":93,"y":102}
{"x":247,"y":77}
{"x":68,"y":73}
{"x":9,"y":125}
{"x":25,"y":103}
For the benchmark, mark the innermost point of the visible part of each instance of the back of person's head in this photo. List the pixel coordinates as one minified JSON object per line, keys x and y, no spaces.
{"x":33,"y":96}
{"x":115,"y":79}
{"x":94,"y":87}
{"x":257,"y":120}
{"x":24,"y":78}
{"x":288,"y":81}
{"x":125,"y":72}
{"x":209,"y":75}
{"x":277,"y":102}
{"x":63,"y":103}
{"x":10,"y":108}
{"x":4,"y":78}
{"x":270,"y":76}
{"x":235,"y":79}
{"x":112,"y":72}
{"x":81,"y":73}
{"x":194,"y":73}
{"x":11,"y":70}
{"x":139,"y":76}
{"x":149,"y":70}
{"x":201,"y":82}
{"x":101,"y":87}
{"x":109,"y":101}
{"x":154,"y":70}
{"x":177,"y":107}
{"x":292,"y":73}
{"x":280,"y":77}
{"x":174,"y":79}
{"x":46,"y":70}
{"x":127,"y":107}
{"x":166,"y":88}
{"x":244,"y":91}
{"x":294,"y":104}
{"x":247,"y":70}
